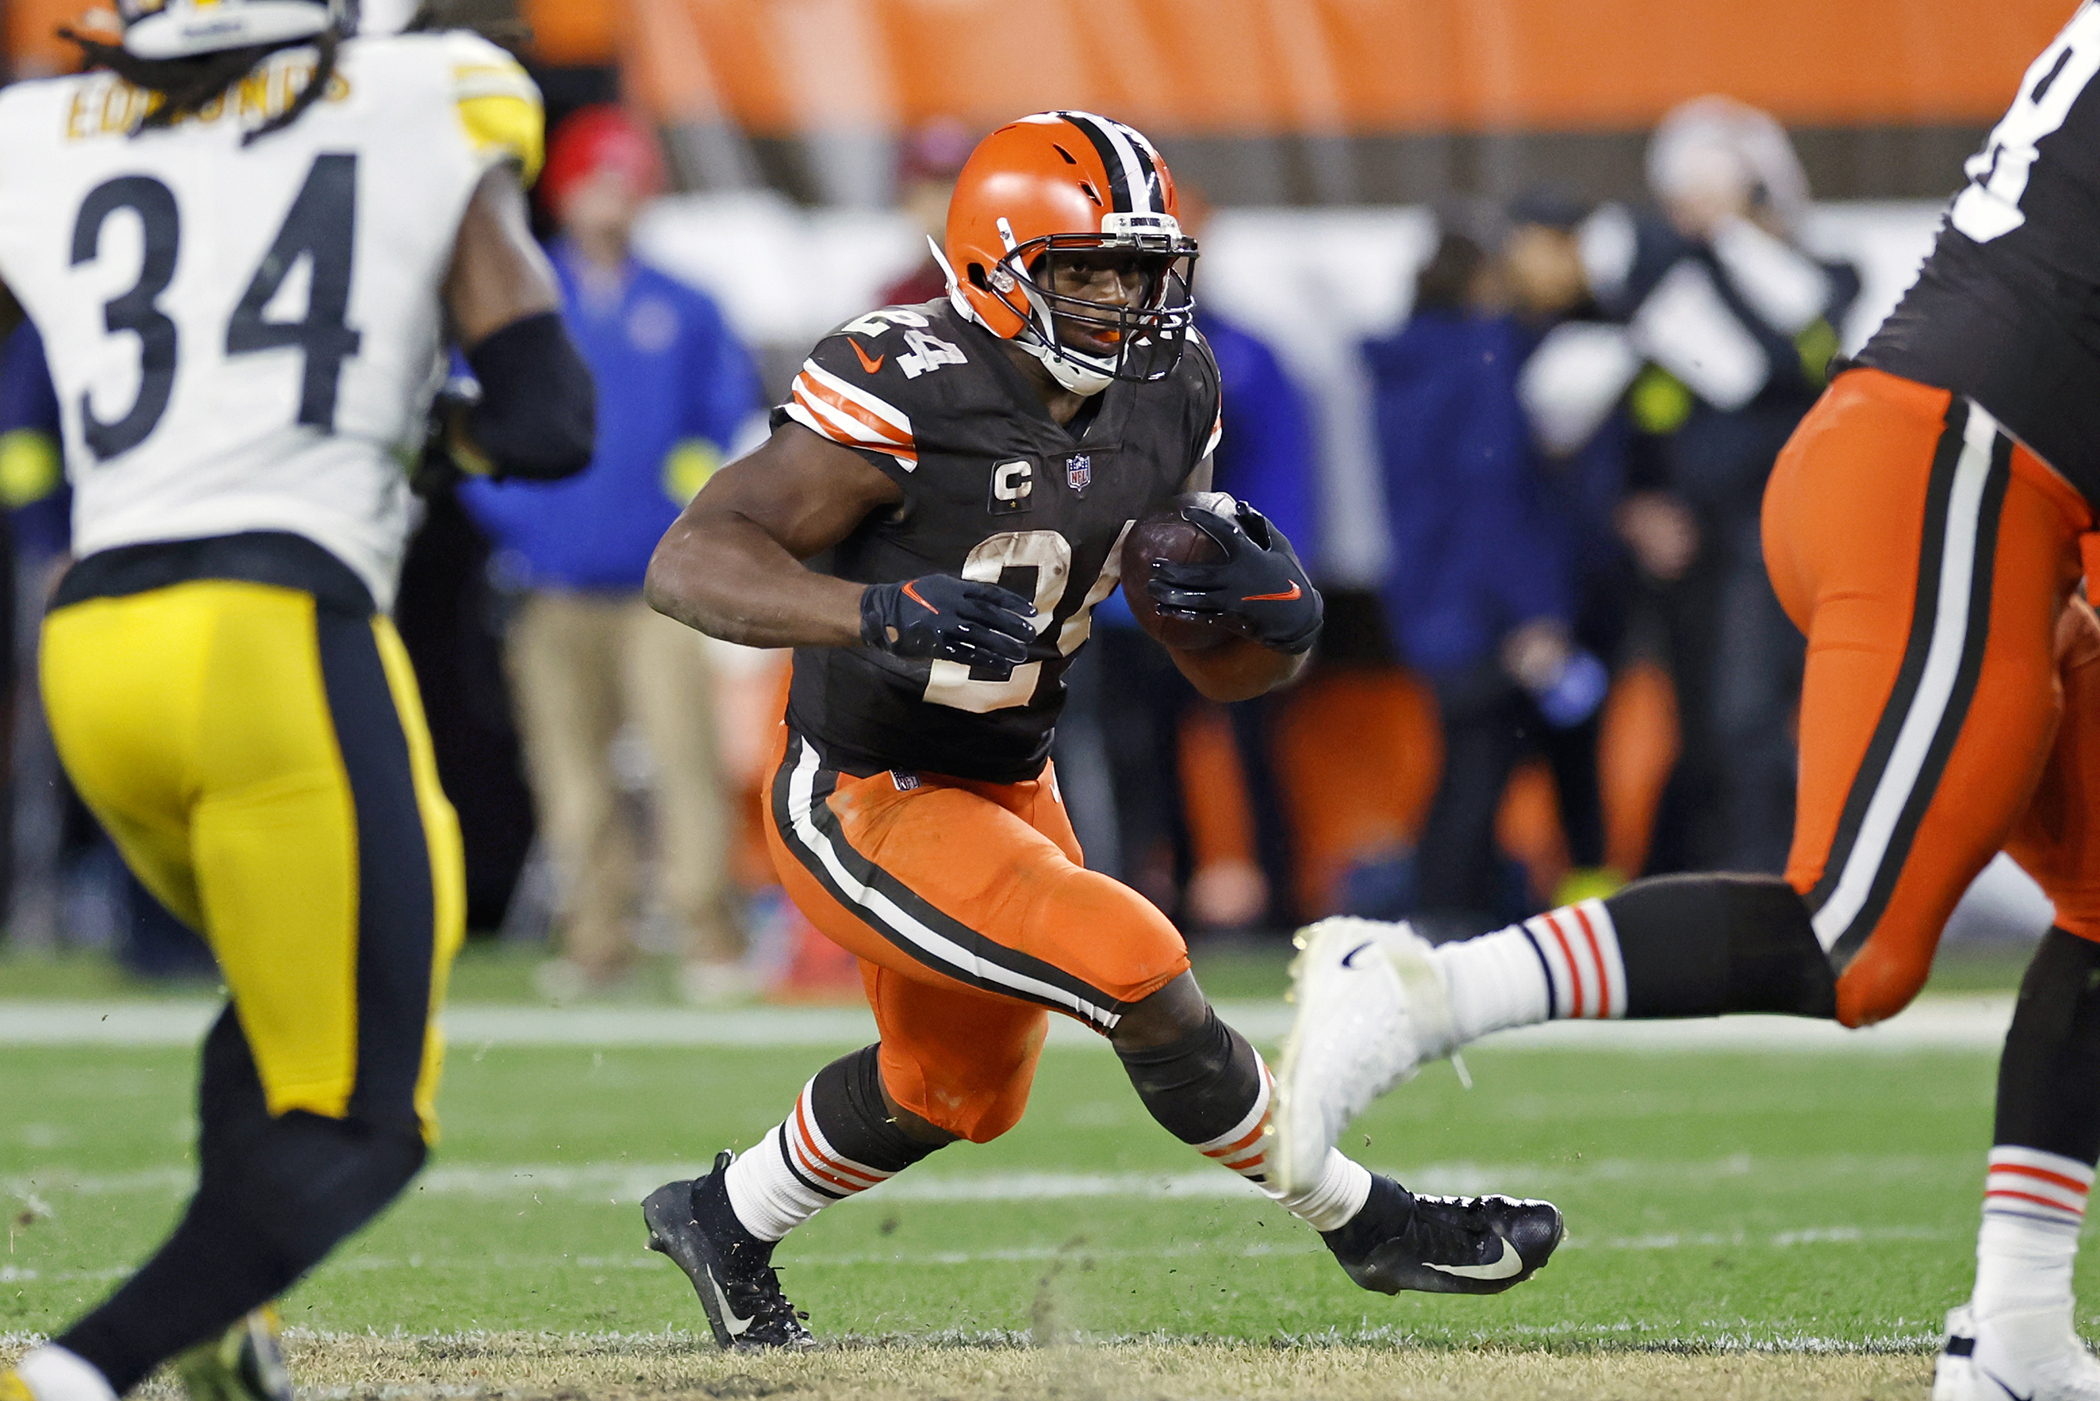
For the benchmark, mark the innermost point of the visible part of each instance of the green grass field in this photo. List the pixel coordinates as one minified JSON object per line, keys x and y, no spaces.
{"x":1723,"y":1202}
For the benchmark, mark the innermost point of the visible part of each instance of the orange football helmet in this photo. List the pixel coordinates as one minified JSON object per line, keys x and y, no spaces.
{"x":1071,"y":182}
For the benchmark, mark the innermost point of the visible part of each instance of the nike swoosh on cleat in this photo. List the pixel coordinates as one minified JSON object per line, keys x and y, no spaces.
{"x":871,"y":366}
{"x":1510,"y":1263}
{"x":1349,"y":958}
{"x":1286,"y":597}
{"x":735,"y":1326}
{"x":1999,"y":1382}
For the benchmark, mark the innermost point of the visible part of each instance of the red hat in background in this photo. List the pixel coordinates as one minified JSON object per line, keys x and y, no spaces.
{"x":935,"y":151}
{"x":595,"y":139}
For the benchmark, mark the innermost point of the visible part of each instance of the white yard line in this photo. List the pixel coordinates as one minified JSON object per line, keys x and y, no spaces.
{"x":1975,"y":1022}
{"x":1289,"y":1244}
{"x":623,"y":1183}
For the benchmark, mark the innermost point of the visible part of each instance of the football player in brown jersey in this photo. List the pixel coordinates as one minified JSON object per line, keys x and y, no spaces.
{"x":937,"y":513}
{"x":1926,"y":527}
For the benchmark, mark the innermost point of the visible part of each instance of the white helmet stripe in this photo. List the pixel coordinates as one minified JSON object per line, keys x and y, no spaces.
{"x":1149,"y":165}
{"x":1140,"y":181}
{"x":1126,"y":169}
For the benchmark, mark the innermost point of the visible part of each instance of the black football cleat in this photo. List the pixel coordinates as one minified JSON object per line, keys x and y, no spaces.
{"x":731,"y":1269}
{"x":1444,"y":1245}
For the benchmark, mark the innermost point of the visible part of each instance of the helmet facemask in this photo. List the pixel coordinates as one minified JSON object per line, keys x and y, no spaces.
{"x":1144,"y":338}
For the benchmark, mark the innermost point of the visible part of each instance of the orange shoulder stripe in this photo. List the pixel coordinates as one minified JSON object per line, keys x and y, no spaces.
{"x":877,"y":434}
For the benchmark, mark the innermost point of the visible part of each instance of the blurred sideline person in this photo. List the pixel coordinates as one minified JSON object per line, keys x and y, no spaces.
{"x":1926,"y":527}
{"x":1730,"y":183}
{"x":967,"y":470}
{"x":32,"y":481}
{"x":926,"y":169}
{"x":223,"y":682}
{"x":586,"y":655}
{"x":1581,"y":486}
{"x":1481,"y":597}
{"x":1726,"y":327}
{"x":66,"y":881}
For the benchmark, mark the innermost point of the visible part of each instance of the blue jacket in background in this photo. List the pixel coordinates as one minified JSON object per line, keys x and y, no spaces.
{"x":669,"y":373}
{"x":1475,"y":551}
{"x":1265,"y":457}
{"x":32,"y":475}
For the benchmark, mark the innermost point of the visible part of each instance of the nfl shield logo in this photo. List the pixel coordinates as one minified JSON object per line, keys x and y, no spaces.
{"x":1079,"y":472}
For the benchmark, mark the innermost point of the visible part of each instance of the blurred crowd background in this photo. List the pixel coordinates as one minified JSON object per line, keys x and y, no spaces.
{"x":1515,"y":303}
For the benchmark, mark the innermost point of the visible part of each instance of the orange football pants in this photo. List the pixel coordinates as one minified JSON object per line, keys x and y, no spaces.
{"x":971,"y":914}
{"x":1951,"y":705}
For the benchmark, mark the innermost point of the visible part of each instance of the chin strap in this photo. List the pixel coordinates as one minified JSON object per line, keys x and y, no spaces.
{"x":956,"y":298}
{"x":1076,"y":376}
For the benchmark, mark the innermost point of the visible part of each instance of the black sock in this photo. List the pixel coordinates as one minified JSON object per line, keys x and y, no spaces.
{"x":2049,"y":1077}
{"x":1699,"y":946}
{"x":1201,"y":1086}
{"x":274,"y":1196}
{"x":851,"y":1112}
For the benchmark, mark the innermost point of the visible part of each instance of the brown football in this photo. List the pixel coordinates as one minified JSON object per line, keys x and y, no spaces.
{"x":1164,"y":535}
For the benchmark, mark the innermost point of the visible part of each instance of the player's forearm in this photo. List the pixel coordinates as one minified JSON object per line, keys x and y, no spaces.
{"x":724,"y":575}
{"x":1238,"y":670}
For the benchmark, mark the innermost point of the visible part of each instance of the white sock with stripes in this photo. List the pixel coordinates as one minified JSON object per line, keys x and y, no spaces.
{"x":792,"y":1174}
{"x":2033,"y":1206}
{"x":1340,"y":1192}
{"x":1564,"y":963}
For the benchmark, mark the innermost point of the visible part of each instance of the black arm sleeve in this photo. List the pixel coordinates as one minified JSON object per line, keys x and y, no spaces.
{"x":538,"y":415}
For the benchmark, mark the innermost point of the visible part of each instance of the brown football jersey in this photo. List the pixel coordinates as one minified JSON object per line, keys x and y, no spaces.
{"x":2007,"y":308}
{"x":994,"y":490}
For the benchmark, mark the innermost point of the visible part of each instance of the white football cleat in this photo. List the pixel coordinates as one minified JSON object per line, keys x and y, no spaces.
{"x":1372,"y":1007}
{"x":1954,"y":1370}
{"x":2014,"y":1357}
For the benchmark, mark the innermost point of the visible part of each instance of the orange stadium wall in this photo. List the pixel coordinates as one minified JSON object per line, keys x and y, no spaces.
{"x":568,"y":32}
{"x":28,"y":32}
{"x":1344,"y":67}
{"x":1243,"y":67}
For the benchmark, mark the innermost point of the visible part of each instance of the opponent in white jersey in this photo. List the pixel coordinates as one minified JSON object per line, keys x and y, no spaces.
{"x":243,"y":334}
{"x":246,"y":239}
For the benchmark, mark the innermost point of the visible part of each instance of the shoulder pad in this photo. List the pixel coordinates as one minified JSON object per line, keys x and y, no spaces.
{"x":1205,"y":357}
{"x":498,"y":104}
{"x":849,"y":386}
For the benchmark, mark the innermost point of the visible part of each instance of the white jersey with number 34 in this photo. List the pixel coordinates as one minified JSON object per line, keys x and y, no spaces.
{"x":247,"y":337}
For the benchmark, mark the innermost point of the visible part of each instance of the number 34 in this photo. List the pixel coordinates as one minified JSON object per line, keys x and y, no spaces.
{"x":318,"y":226}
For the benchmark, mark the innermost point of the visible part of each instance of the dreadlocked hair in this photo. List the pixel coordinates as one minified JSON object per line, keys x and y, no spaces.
{"x":326,"y":45}
{"x":185,"y":85}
